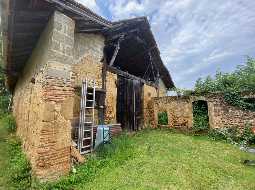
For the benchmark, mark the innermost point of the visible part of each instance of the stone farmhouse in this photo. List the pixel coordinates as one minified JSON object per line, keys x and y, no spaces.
{"x":52,"y":46}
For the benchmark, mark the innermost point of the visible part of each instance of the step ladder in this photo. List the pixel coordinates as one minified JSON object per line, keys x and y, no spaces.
{"x":85,"y":141}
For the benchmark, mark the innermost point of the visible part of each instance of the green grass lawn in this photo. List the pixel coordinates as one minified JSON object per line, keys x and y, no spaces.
{"x":154,"y":159}
{"x":14,"y":167}
{"x":160,"y":159}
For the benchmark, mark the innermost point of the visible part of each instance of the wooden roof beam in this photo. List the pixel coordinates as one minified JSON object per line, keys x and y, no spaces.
{"x":33,"y":14}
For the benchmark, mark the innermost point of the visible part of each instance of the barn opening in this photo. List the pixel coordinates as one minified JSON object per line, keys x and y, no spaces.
{"x":129,"y":103}
{"x":200,"y":115}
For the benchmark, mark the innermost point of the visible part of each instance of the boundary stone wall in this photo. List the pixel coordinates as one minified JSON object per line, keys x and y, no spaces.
{"x":180,"y":111}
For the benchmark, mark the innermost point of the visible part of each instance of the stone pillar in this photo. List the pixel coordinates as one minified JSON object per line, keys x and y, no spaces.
{"x":53,"y":152}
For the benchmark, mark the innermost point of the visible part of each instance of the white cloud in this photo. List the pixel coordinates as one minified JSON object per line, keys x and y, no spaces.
{"x":91,"y":4}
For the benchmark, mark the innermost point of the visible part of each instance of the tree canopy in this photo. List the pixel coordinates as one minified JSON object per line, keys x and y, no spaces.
{"x":240,"y":80}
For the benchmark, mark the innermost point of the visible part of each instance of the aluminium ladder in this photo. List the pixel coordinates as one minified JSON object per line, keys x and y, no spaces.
{"x":85,"y":141}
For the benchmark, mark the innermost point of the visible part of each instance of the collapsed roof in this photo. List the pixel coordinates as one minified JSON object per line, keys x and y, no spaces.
{"x":130,"y":45}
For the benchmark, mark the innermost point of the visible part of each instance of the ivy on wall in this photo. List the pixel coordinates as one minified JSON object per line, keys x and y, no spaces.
{"x":200,"y":116}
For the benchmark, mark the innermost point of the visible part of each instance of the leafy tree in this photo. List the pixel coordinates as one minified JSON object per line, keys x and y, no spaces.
{"x":231,"y":84}
{"x":241,"y":80}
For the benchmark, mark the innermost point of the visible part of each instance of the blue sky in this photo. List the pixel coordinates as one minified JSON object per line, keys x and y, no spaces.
{"x":195,"y":37}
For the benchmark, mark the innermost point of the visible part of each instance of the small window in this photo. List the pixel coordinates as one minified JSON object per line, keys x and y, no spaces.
{"x":162,"y":118}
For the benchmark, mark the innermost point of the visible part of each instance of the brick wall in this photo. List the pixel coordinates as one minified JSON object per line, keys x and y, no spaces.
{"x":179,"y":111}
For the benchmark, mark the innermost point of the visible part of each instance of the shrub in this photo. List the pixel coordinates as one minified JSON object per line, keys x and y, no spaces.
{"x":18,"y":171}
{"x":234,"y":135}
{"x":162,"y":118}
{"x":200,"y":116}
{"x":9,"y":123}
{"x":247,"y":137}
{"x":231,"y":85}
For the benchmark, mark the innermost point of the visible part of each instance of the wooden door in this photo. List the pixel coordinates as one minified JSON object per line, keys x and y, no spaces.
{"x":129,"y":103}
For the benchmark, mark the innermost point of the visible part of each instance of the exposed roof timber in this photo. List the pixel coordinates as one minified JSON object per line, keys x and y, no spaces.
{"x":128,"y":75}
{"x":32,"y":14}
{"x":116,"y":50}
{"x":117,"y":36}
{"x":26,"y":35}
{"x":93,"y":30}
{"x":79,"y":11}
{"x":21,"y":40}
{"x":29,"y":27}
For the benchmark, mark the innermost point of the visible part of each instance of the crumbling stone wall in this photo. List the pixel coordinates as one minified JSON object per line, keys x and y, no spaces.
{"x":150,"y":92}
{"x":180,"y":112}
{"x":111,"y":98}
{"x":43,"y":97}
{"x":89,"y":68}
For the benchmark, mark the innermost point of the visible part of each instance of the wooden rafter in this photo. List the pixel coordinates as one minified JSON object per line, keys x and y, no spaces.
{"x":121,"y":38}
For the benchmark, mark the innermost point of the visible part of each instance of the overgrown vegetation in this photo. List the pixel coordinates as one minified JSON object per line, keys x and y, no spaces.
{"x":162,"y":118}
{"x":232,"y":85}
{"x":14,"y":167}
{"x":167,"y":161}
{"x":234,"y":135}
{"x":108,"y":156}
{"x":200,"y":116}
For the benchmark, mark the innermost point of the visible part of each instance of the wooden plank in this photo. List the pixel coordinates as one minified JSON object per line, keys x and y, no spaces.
{"x":127,"y":75}
{"x":32,"y":13}
{"x":129,"y":103}
{"x":121,"y":38}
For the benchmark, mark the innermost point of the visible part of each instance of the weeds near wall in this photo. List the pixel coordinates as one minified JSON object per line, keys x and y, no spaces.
{"x":200,"y":116}
{"x":16,"y":169}
{"x":107,"y":156}
{"x":234,"y":135}
{"x":162,"y":118}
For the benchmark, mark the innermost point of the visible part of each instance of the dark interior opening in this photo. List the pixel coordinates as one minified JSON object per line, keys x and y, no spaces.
{"x":200,"y":115}
{"x":135,"y":60}
{"x":249,"y":100}
{"x":129,"y":103}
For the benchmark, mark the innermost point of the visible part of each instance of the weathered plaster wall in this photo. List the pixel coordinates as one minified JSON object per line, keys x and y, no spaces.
{"x":89,"y":45}
{"x":179,"y":111}
{"x":43,"y":97}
